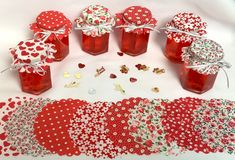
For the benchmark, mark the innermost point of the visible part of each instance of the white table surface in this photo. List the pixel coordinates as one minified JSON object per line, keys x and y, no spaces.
{"x":15,"y":17}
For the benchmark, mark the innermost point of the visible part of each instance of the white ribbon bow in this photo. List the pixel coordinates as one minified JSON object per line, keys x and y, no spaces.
{"x":173,"y":29}
{"x":131,"y":27}
{"x":98,"y":28}
{"x":222,"y":64}
{"x":46,"y":33}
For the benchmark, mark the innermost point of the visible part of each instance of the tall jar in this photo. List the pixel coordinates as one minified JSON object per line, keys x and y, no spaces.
{"x":31,"y":58}
{"x":135,"y":22}
{"x":53,"y":27}
{"x":96,"y":23}
{"x":181,"y":31}
{"x":202,"y":61}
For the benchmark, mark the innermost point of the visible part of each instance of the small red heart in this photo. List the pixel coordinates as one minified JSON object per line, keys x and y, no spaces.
{"x":3,"y":136}
{"x":12,"y":104}
{"x":34,"y":54}
{"x":5,"y":118}
{"x":39,"y":48}
{"x":5,"y":143}
{"x":132,"y":80}
{"x":81,"y":65}
{"x":27,"y":61}
{"x":120,"y":53}
{"x":49,"y":60}
{"x":31,"y":49}
{"x":112,"y":76}
{"x":42,"y":57}
{"x":22,"y":48}
{"x":29,"y":44}
{"x":2,"y":104}
{"x":22,"y":42}
{"x":24,"y":53}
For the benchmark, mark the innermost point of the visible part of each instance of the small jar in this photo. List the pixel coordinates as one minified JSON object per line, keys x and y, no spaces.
{"x":96,"y":23}
{"x":202,"y":61}
{"x":181,"y":32}
{"x":136,"y":22}
{"x":31,"y":59}
{"x":53,"y":27}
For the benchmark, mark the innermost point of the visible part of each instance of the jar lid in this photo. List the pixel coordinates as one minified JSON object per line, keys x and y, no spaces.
{"x":52,"y":21}
{"x":204,"y":56}
{"x":137,"y":15}
{"x":96,"y":14}
{"x":186,"y":22}
{"x":32,"y":52}
{"x":136,"y":19}
{"x":207,"y":50}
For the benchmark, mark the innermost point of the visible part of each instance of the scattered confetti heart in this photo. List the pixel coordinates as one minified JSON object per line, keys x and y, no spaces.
{"x":155,"y":89}
{"x":73,"y":84}
{"x":112,"y":76}
{"x":158,"y":70}
{"x":119,"y":88}
{"x":99,"y":71}
{"x":142,"y":67}
{"x":132,"y":80}
{"x":77,"y":75}
{"x":120,"y":53}
{"x":124,"y":69}
{"x":81,"y":65}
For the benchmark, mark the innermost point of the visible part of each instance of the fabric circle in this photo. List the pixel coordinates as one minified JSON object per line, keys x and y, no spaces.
{"x":187,"y":22}
{"x":52,"y":124}
{"x":118,"y":128}
{"x":215,"y":121}
{"x":19,"y":128}
{"x":145,"y":125}
{"x":96,"y":14}
{"x":88,"y":132}
{"x":51,"y":20}
{"x":32,"y":55}
{"x":177,"y":122}
{"x":207,"y":50}
{"x":137,"y":15}
{"x":54,"y":23}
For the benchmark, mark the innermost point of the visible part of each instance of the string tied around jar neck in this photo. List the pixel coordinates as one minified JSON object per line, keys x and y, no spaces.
{"x":173,"y":29}
{"x":131,"y":27}
{"x":208,"y":65}
{"x":47,"y":33}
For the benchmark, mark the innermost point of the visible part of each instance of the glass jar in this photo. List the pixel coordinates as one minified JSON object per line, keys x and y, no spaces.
{"x":181,"y":32}
{"x":95,"y":45}
{"x":34,"y":83}
{"x":96,"y":23}
{"x":53,"y":27}
{"x":31,"y":58}
{"x":202,"y":61}
{"x":136,"y":22}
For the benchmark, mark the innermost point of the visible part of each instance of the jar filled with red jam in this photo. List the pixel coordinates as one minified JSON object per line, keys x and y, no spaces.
{"x":53,"y":27}
{"x":96,"y":23}
{"x":202,"y":61}
{"x":31,"y":58}
{"x":181,"y":32}
{"x":135,"y":22}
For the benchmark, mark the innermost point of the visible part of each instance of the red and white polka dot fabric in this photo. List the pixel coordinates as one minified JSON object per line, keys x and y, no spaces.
{"x":88,"y":132}
{"x":32,"y":51}
{"x":188,"y":22}
{"x":118,"y":127}
{"x":52,"y":124}
{"x":52,"y":21}
{"x":177,"y":122}
{"x":136,"y":15}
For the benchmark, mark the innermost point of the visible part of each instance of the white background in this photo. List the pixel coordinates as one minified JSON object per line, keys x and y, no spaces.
{"x":15,"y":17}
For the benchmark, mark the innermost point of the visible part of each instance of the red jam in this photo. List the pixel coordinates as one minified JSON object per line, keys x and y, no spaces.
{"x":61,"y":46}
{"x":195,"y":82}
{"x":34,"y":83}
{"x":134,"y":44}
{"x":95,"y":45}
{"x":173,"y":50}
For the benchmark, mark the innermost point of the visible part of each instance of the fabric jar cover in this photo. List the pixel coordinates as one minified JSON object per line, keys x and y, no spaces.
{"x":136,"y":19}
{"x":204,"y":56}
{"x":51,"y":25}
{"x":32,"y":56}
{"x":95,"y":20}
{"x":185,"y":22}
